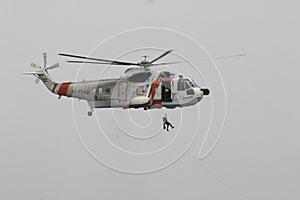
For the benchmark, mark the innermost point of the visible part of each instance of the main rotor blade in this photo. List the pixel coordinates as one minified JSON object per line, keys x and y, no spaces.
{"x":91,"y":62}
{"x":199,"y":60}
{"x":162,"y":55}
{"x":98,"y":59}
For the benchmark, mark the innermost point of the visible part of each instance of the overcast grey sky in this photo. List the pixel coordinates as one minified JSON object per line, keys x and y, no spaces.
{"x":257,"y":156}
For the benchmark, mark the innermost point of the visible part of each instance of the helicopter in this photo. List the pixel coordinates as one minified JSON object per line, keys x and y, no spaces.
{"x":138,"y":87}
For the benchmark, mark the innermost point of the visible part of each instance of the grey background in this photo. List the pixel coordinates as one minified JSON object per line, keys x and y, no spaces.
{"x":258,"y":154}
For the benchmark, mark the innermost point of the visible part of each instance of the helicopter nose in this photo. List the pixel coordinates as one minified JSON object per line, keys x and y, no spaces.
{"x":198,"y":93}
{"x":205,"y":91}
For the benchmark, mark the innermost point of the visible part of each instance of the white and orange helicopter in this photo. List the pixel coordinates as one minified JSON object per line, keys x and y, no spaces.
{"x":138,"y":87}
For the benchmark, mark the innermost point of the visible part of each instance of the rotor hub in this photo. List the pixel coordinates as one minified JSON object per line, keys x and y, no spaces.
{"x":145,"y":63}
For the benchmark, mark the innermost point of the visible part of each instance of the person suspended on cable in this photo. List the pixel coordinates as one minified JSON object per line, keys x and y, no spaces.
{"x":166,"y":123}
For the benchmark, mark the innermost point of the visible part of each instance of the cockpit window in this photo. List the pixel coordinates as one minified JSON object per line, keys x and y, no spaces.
{"x":180,"y":86}
{"x":187,"y":84}
{"x":107,"y":91}
{"x":190,"y":92}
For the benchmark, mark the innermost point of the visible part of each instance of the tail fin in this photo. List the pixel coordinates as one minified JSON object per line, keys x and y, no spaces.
{"x":42,"y":73}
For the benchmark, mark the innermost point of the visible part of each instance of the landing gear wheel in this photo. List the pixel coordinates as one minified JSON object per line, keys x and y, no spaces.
{"x":90,"y":112}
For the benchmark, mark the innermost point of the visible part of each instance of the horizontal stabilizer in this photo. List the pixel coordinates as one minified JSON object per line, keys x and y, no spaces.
{"x":33,"y":73}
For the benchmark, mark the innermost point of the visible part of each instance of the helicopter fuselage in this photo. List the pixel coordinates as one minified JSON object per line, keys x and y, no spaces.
{"x":136,"y":88}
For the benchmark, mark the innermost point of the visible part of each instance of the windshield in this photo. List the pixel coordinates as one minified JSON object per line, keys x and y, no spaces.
{"x":184,"y":85}
{"x":194,"y":84}
{"x":187,"y":84}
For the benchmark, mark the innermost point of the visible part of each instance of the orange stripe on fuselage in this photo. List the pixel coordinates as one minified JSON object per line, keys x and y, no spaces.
{"x":64,"y":88}
{"x":154,"y":86}
{"x":53,"y":89}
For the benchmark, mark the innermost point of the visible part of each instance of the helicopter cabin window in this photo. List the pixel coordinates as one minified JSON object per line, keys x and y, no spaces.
{"x":139,"y":90}
{"x":100,"y":90}
{"x":107,"y":91}
{"x":98,"y":94}
{"x":180,"y":86}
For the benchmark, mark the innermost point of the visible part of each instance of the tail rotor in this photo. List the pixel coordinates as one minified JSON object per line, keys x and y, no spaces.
{"x":41,"y":70}
{"x":45,"y":59}
{"x":44,"y":68}
{"x":53,"y":66}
